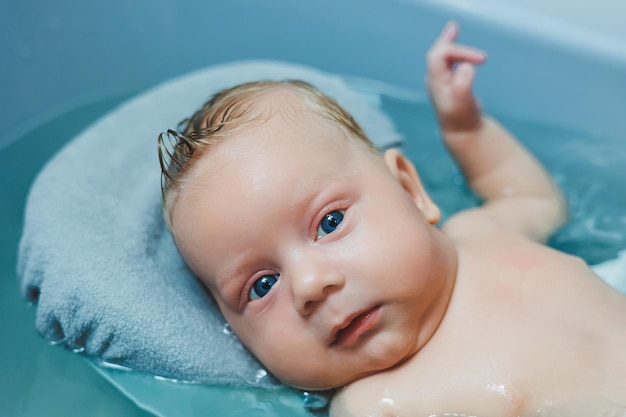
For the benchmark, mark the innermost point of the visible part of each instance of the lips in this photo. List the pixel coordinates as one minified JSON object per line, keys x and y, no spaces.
{"x":349,"y":332}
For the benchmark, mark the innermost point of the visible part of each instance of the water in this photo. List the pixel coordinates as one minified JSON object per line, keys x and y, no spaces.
{"x":589,"y":169}
{"x":39,"y":379}
{"x":45,"y":380}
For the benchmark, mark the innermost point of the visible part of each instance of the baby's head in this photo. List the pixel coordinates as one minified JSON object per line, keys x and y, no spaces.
{"x":319,"y":251}
{"x":229,"y":110}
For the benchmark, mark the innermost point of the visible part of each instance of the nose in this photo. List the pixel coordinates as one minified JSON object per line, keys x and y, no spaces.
{"x":312,"y":283}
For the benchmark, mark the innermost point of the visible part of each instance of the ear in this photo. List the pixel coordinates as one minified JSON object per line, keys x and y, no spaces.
{"x":406,"y":174}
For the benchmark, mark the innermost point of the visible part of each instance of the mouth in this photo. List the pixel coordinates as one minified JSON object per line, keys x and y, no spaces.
{"x":349,"y":332}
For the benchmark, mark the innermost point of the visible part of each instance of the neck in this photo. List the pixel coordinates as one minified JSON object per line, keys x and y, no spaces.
{"x":448,"y":267}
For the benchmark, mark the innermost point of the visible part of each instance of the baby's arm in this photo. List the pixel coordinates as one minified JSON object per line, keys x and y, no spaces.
{"x":517,"y":191}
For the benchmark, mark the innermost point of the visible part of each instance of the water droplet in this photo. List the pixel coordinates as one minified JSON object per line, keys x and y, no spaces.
{"x":316,"y":402}
{"x":111,"y":365}
{"x":261,"y":373}
{"x":57,"y":342}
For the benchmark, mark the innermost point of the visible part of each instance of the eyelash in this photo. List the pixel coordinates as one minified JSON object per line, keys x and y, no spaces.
{"x":263,"y":281}
{"x":331,"y":219}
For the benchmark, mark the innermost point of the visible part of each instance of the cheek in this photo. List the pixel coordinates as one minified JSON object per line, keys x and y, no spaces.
{"x":286,"y":351}
{"x":271,"y":339}
{"x":402,"y":249}
{"x":290,"y":360}
{"x":395,"y":228}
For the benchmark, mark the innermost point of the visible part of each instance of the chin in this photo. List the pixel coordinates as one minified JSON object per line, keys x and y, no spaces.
{"x":394,"y":350}
{"x":316,"y":386}
{"x":340,"y":378}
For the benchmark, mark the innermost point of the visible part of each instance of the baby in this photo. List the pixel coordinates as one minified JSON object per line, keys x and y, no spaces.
{"x":324,"y":258}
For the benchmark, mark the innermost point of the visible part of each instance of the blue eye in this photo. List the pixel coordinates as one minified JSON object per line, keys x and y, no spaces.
{"x":329,"y":223}
{"x":262,"y":286}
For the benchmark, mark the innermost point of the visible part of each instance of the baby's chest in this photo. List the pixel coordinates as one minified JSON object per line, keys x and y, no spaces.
{"x":503,"y":370}
{"x":454,"y":387}
{"x":450,"y":393}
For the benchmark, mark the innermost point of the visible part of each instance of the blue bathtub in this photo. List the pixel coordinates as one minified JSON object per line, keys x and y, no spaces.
{"x":67,"y":62}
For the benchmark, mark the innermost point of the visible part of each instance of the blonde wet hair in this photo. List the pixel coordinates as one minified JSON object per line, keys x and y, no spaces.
{"x":223,"y":114}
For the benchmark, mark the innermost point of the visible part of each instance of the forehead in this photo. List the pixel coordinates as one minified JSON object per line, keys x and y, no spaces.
{"x":284,"y":128}
{"x":276,"y":165}
{"x":268,"y":159}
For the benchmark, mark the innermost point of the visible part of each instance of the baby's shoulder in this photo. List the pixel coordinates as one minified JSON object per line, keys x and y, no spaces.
{"x":472,"y":224}
{"x":362,"y":398}
{"x":391,"y":393}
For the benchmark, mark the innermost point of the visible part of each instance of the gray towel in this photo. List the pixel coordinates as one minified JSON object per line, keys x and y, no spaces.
{"x":98,"y":259}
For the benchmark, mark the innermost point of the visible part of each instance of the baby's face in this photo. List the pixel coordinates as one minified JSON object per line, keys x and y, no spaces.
{"x":319,"y":259}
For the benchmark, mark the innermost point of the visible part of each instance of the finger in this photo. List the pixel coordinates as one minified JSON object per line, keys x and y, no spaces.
{"x":461,"y":53}
{"x":463,"y":78}
{"x":449,"y":32}
{"x":441,"y":60}
{"x":445,"y":43}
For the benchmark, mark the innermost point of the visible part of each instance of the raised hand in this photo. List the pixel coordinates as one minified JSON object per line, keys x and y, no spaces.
{"x":451,"y":70}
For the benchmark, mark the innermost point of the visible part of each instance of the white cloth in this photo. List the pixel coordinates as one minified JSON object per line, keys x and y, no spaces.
{"x":613,"y":271}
